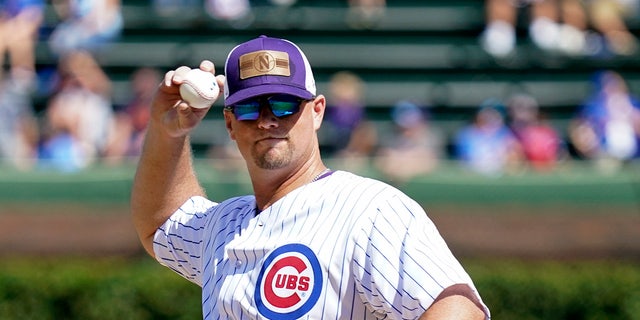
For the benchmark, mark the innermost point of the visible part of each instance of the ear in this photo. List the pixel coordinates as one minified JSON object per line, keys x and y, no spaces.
{"x":228,"y":122}
{"x":319,"y":105}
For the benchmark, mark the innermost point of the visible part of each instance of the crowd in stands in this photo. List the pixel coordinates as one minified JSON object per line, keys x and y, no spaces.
{"x":571,"y":27}
{"x":77,"y":125}
{"x":503,"y":136}
{"x":80,"y":124}
{"x":362,"y":14}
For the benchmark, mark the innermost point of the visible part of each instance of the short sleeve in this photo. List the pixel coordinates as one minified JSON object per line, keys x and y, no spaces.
{"x":178,"y":243}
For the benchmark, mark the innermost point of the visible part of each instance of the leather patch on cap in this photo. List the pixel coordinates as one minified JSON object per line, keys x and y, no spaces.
{"x":264,"y":62}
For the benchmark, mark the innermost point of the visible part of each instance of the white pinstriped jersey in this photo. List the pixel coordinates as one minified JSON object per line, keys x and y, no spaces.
{"x":343,"y":247}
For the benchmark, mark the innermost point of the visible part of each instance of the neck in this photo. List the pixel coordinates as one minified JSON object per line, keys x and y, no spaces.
{"x":271,"y":185}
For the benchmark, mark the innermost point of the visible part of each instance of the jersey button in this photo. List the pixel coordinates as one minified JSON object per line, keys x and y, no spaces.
{"x":238,"y":263}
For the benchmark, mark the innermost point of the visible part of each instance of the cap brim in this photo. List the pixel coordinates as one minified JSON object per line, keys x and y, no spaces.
{"x":266,"y":89}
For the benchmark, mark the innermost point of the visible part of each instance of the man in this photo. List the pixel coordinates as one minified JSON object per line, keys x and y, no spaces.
{"x":311,"y":243}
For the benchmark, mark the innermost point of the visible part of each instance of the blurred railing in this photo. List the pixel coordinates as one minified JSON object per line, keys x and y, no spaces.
{"x":572,"y":183}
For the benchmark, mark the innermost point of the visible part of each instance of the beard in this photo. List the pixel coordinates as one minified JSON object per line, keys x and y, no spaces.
{"x":273,"y":158}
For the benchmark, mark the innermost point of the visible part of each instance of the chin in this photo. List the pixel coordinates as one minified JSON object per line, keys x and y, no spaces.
{"x":273,"y":160}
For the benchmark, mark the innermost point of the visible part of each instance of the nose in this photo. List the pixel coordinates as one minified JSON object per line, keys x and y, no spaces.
{"x":266,"y":118}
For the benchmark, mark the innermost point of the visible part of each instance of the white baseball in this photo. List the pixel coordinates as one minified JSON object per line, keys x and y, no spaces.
{"x":199,"y":89}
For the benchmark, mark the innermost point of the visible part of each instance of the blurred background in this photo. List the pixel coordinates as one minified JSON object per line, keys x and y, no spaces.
{"x":515,"y":123}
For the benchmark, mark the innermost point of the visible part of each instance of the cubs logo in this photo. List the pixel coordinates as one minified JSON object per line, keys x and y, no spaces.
{"x":289,"y":283}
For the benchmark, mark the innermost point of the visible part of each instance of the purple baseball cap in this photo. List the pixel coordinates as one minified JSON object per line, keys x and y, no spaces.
{"x":267,"y":65}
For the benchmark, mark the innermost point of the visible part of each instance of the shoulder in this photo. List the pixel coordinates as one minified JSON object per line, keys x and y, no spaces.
{"x":352,"y":180}
{"x":231,"y":208}
{"x":200,"y":207}
{"x":238,"y":202}
{"x":382,"y":196}
{"x":362,"y":190}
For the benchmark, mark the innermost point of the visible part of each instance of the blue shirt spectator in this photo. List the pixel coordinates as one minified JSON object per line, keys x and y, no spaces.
{"x":487,"y":145}
{"x":608,"y":123}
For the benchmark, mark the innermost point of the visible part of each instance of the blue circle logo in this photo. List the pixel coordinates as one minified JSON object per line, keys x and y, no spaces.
{"x":289,"y":283}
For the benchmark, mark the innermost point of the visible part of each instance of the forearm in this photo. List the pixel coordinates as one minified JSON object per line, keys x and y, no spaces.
{"x":164,"y":180}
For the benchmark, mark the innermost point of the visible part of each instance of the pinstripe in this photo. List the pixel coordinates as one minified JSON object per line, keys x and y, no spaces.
{"x":377,"y":249}
{"x":431,"y":256}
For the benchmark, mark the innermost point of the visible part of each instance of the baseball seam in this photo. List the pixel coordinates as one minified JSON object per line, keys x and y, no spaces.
{"x":198,"y":90}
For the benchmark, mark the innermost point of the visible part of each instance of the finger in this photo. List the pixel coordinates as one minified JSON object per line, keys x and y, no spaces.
{"x":221,"y":79}
{"x":207,"y":65}
{"x":168,"y":76}
{"x":167,"y":95}
{"x":179,"y":74}
{"x":182,"y":107}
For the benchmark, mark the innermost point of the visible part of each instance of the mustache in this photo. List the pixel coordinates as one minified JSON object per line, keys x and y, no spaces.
{"x":272,"y":136}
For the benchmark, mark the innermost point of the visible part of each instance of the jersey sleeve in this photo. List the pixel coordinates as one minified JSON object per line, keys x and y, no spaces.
{"x":178,"y":243}
{"x":401,"y":262}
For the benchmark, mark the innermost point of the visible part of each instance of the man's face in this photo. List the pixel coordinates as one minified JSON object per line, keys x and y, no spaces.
{"x":271,"y":142}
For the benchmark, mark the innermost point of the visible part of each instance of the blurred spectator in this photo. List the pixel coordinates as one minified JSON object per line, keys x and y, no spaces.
{"x":169,"y":8}
{"x":607,"y":126}
{"x":608,"y":17}
{"x":349,"y":134}
{"x":365,"y":14}
{"x":20,"y":21}
{"x":79,"y":115}
{"x":240,"y":13}
{"x":236,"y":12}
{"x":414,"y":148}
{"x":18,"y":125}
{"x":541,"y":143}
{"x":560,"y":25}
{"x":131,"y":120}
{"x":85,"y":25}
{"x":346,"y":111}
{"x":487,"y":145}
{"x":554,"y":25}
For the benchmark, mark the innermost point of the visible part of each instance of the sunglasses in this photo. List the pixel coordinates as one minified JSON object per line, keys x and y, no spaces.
{"x":281,"y":105}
